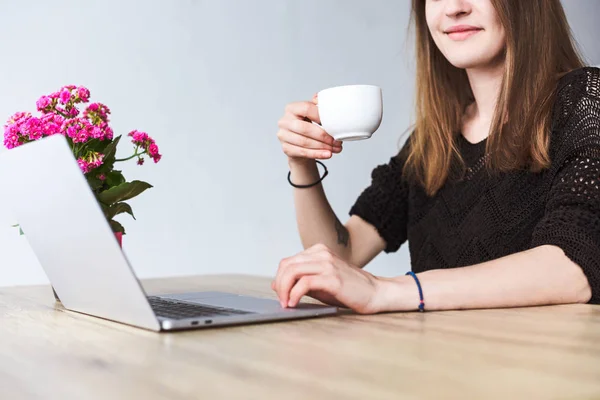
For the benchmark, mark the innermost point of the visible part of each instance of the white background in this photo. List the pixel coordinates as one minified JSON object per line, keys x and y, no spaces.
{"x":209,"y":80}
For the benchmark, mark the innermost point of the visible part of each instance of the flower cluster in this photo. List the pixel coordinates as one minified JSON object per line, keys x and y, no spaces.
{"x":91,"y":161}
{"x":81,"y":130}
{"x":23,"y":127}
{"x":97,"y":113}
{"x":146,"y":143}
{"x":60,"y":115}
{"x":64,"y":100}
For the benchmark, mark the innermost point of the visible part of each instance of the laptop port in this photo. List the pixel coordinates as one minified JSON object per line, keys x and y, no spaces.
{"x":194,"y":322}
{"x":208,"y":321}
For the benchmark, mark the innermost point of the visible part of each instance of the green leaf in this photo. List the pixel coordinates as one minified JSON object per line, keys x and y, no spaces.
{"x":119,"y":208}
{"x":122,"y":192}
{"x":20,"y":230}
{"x":114,"y":178}
{"x":95,"y":145}
{"x":109,"y":149}
{"x":110,"y":152}
{"x":94,"y":182}
{"x":105,"y":209}
{"x":116,"y":227}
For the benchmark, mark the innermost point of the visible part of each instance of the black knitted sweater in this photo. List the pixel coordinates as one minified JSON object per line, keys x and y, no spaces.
{"x":484,"y":216}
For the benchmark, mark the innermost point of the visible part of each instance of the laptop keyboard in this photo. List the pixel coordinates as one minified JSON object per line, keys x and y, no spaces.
{"x":175,"y":309}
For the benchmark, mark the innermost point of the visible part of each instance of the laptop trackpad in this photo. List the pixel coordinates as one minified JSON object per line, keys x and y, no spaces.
{"x":229,"y":300}
{"x":243,"y":303}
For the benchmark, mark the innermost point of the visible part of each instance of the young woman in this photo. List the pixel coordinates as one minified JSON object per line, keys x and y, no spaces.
{"x":496,"y":190}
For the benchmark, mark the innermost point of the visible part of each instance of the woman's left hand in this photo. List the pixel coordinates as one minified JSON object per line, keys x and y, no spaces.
{"x":319,"y":273}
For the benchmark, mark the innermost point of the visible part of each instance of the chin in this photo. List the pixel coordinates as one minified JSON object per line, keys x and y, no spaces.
{"x":467,"y":61}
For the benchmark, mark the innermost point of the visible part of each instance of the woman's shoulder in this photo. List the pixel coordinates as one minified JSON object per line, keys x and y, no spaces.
{"x":577,"y":92}
{"x":579,"y":83}
{"x":576,"y":113}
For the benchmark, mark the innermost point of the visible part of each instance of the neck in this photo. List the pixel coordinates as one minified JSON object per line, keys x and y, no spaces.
{"x":485,"y":84}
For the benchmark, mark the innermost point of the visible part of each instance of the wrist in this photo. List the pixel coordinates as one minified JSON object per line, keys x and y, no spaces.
{"x":396,"y":294}
{"x":301,"y":163}
{"x":305,"y":174}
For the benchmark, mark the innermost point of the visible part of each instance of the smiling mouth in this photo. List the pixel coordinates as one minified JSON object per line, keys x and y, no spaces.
{"x":462,"y":34}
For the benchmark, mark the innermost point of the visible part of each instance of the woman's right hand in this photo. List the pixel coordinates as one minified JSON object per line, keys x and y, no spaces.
{"x":302,"y":140}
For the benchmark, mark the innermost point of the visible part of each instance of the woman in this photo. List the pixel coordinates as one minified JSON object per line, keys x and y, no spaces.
{"x":496,"y":189}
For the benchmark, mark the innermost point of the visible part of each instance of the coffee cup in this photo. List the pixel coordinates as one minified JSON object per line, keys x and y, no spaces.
{"x":351,"y":112}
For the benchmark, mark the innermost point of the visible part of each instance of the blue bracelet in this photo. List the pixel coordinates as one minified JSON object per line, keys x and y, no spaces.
{"x":422,"y":302}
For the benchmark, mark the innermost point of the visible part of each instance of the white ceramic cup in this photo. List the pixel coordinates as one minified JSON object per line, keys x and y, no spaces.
{"x":352,"y":112}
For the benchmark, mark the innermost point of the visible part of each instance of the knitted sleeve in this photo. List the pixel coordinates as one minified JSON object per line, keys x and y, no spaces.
{"x":572,"y":215}
{"x":384,"y":204}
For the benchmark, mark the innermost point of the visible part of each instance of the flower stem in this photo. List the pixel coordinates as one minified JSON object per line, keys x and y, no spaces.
{"x":61,"y":113}
{"x":80,"y":149}
{"x":130,"y":157}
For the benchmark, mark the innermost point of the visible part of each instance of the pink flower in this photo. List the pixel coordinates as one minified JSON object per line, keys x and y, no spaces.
{"x":148,"y":144}
{"x":90,"y":162}
{"x":19,"y":117}
{"x":43,"y":103}
{"x":139,"y":138}
{"x":65,"y":96}
{"x":11,"y":136}
{"x":102,"y":177}
{"x":101,"y":132}
{"x":58,"y":119}
{"x":153,"y":152}
{"x":18,"y":128}
{"x":108,"y":133}
{"x":82,"y":136}
{"x":51,"y":124}
{"x":96,"y":159}
{"x":153,"y":149}
{"x":140,"y":161}
{"x":73,"y":112}
{"x":83,"y":165}
{"x":96,"y":113}
{"x":83,"y":94}
{"x":78,"y":129}
{"x":71,"y":131}
{"x":32,"y":128}
{"x":97,"y":133}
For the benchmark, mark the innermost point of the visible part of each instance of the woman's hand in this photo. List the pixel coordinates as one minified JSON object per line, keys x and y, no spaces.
{"x":300,"y":138}
{"x":319,"y":273}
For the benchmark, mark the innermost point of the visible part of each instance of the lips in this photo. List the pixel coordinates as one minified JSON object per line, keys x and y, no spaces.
{"x":461,"y":32}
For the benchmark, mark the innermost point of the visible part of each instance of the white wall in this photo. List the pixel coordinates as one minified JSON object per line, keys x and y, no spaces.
{"x":209,"y":80}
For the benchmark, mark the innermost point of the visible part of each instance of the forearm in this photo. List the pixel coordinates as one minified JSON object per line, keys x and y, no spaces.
{"x":317,"y":222}
{"x":540,"y":276}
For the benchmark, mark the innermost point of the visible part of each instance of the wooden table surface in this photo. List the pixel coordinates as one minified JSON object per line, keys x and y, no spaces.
{"x":530,"y":353}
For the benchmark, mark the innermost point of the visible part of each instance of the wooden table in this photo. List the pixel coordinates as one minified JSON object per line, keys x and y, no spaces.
{"x":546,"y":352}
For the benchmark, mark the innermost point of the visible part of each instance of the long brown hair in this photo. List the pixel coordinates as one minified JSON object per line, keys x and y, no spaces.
{"x":539,"y":50}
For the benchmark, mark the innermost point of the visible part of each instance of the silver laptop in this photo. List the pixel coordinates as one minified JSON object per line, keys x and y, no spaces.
{"x":77,"y":249}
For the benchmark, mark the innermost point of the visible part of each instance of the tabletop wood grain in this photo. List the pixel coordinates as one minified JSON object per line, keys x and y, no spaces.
{"x":47,"y":352}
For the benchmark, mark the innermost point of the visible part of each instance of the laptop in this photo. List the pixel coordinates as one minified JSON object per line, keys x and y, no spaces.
{"x":79,"y":253}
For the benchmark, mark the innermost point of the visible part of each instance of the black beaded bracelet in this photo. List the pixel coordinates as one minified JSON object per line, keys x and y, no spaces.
{"x":310,"y":184}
